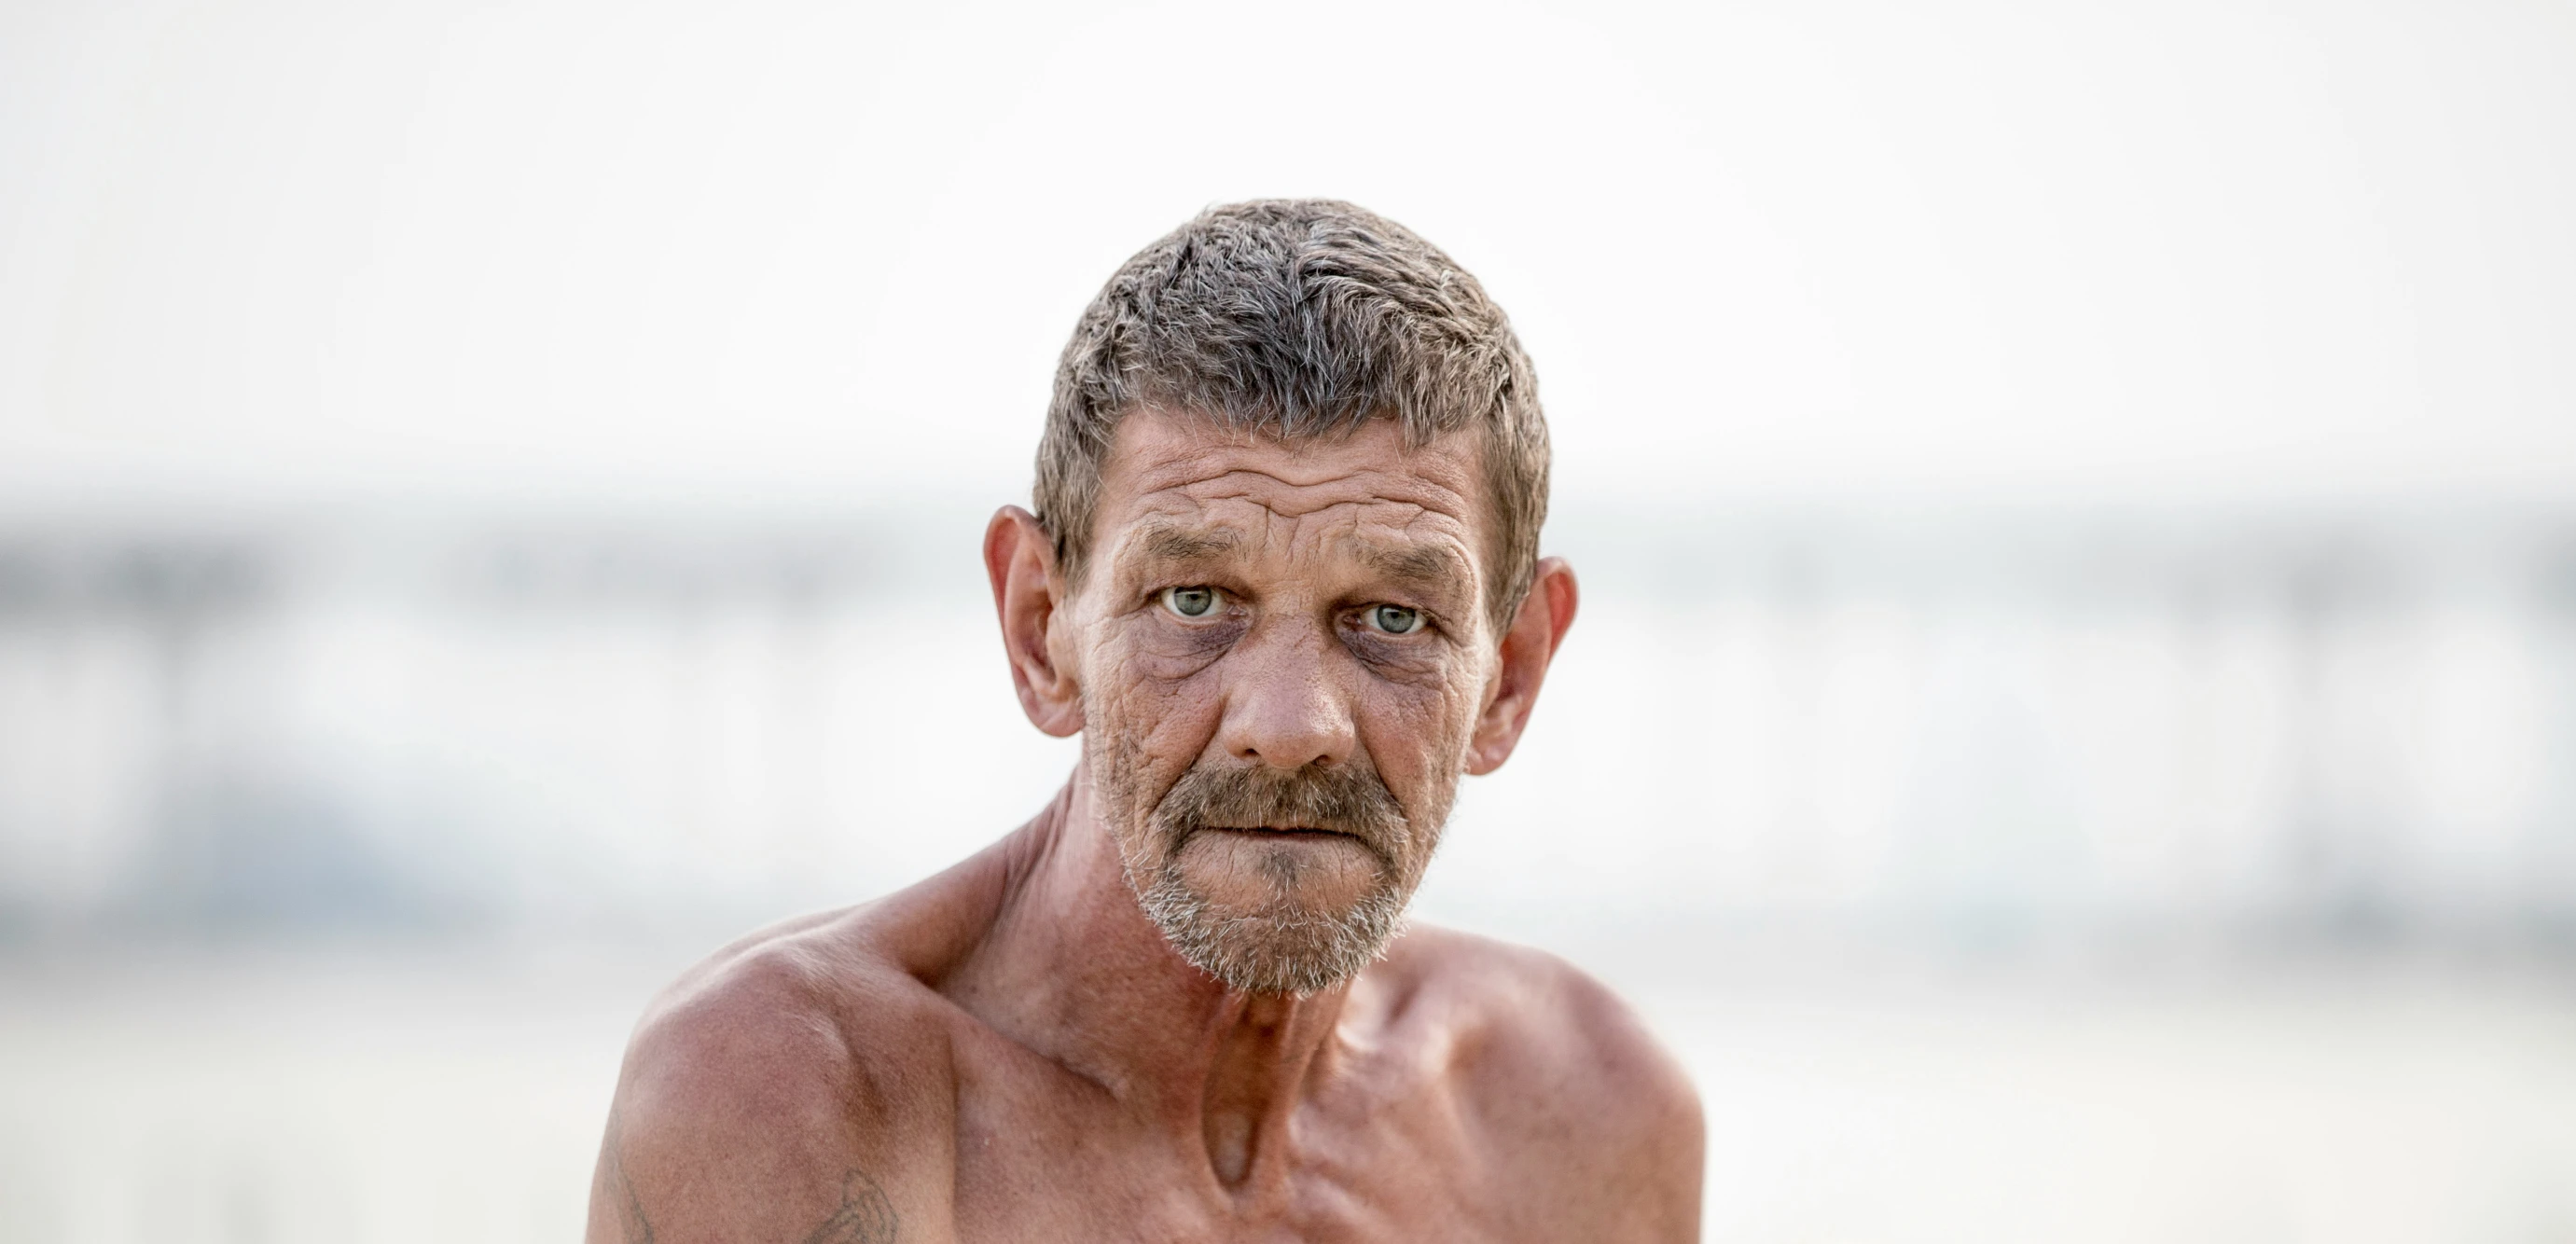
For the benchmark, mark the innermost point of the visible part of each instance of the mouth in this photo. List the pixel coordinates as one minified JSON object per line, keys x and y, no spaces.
{"x":1279,"y":833}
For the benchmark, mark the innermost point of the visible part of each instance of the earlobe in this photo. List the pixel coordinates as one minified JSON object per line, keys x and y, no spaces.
{"x":1527,"y":648}
{"x":1020,"y":561}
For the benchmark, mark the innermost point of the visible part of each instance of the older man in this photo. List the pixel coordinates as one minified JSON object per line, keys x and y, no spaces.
{"x":1283,"y":578}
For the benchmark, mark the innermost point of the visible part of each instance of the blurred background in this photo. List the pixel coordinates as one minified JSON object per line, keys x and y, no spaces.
{"x":2072,"y":734}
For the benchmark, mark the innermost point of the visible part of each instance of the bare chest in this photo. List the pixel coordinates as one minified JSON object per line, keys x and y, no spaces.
{"x":1374,"y":1157}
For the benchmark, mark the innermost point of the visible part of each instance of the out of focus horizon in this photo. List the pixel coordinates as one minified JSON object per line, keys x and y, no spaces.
{"x":2077,"y":513}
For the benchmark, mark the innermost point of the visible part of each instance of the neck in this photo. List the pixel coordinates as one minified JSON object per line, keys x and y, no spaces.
{"x":1074,"y":969}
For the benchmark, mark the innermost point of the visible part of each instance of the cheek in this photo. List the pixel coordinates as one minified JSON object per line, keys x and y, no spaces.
{"x":1167,"y":708}
{"x":1144,"y":648}
{"x":1417,"y":732}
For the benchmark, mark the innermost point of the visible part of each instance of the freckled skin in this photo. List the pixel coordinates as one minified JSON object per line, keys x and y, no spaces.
{"x":1010,"y":1050}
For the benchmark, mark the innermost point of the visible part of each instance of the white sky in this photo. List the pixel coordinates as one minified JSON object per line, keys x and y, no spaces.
{"x":2176,"y":251}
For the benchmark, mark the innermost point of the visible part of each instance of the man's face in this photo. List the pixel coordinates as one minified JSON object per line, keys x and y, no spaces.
{"x":1282,"y":651}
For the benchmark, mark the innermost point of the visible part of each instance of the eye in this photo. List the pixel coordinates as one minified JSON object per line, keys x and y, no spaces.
{"x":1190,"y":602}
{"x":1394,"y":619}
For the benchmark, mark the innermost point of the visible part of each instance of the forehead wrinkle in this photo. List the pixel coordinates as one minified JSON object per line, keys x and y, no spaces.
{"x":1283,"y":496}
{"x":1415,"y":545}
{"x":1235,"y":511}
{"x":1181,"y":517}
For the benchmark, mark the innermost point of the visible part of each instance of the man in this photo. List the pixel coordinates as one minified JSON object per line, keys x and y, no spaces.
{"x":1283,"y":578}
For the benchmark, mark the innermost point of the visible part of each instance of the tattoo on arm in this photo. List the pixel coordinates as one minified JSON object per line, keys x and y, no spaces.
{"x":634,"y":1227}
{"x":865,"y":1216}
{"x":639,"y":1229}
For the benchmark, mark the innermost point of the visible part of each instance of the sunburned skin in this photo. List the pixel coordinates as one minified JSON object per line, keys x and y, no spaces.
{"x":1014,"y":1051}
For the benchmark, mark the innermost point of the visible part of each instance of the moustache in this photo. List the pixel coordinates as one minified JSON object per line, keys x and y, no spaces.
{"x":1343,"y":799}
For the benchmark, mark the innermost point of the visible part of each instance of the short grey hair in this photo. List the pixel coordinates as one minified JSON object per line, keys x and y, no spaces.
{"x":1297,"y":318}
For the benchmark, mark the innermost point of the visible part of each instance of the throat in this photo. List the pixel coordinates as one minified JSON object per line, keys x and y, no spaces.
{"x":1260,"y":1065}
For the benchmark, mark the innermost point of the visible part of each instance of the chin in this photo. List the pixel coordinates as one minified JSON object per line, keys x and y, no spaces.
{"x":1283,"y":942}
{"x":1285,"y":877}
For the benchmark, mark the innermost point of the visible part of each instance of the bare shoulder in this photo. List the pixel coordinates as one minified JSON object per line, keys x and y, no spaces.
{"x":1588,"y":1104}
{"x":794,"y":1081}
{"x":1546,"y":1026}
{"x":815,"y":1004}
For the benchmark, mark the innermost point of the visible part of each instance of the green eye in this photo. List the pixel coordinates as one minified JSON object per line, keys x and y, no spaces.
{"x":1190,"y":602}
{"x":1395,"y":619}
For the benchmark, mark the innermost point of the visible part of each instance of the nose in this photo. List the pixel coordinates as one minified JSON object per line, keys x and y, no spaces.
{"x":1283,"y":708}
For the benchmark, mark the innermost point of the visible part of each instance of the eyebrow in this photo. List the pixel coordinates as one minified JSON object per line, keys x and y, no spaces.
{"x":1424,"y":567}
{"x":1170,"y":543}
{"x":1415,"y":565}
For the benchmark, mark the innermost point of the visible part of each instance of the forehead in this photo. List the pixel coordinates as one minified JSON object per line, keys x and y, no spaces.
{"x":1168,"y":470}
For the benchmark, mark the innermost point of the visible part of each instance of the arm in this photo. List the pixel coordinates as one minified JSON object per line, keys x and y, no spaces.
{"x":745,"y":1112}
{"x":1653,"y":1138}
{"x":1602,"y":1126}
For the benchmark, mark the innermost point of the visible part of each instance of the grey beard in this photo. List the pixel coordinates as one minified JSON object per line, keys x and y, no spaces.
{"x":1283,"y":947}
{"x":1280,"y":950}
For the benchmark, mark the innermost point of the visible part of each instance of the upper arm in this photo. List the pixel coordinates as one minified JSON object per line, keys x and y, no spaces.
{"x":1650,"y":1119}
{"x":758,"y":1106}
{"x":1593,"y":1109}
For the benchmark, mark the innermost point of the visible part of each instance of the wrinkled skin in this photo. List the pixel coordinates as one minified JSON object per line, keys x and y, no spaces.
{"x":1013,"y":1051}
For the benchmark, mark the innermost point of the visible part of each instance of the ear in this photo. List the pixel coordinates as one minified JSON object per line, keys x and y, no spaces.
{"x":1028,"y":594}
{"x":1527,"y":647}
